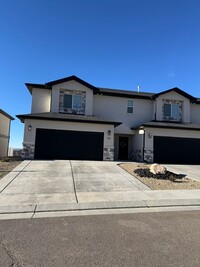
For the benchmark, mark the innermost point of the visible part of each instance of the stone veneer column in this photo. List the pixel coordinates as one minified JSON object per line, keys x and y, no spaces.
{"x":28,"y":151}
{"x":148,"y":155}
{"x":108,"y":153}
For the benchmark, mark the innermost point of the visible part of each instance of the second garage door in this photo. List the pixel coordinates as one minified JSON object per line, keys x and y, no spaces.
{"x":176,"y":150}
{"x":75,"y":145}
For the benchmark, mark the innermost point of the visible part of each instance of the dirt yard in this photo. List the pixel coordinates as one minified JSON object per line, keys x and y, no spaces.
{"x":158,"y":184}
{"x":7,"y":166}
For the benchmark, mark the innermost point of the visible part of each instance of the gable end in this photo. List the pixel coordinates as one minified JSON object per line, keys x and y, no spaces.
{"x":178,"y":91}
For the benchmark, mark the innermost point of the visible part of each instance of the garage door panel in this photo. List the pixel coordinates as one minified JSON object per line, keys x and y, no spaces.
{"x":176,"y":150}
{"x":60,"y":144}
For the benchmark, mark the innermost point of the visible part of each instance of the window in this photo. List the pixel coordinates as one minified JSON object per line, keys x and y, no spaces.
{"x":171,"y":111}
{"x":67,"y":101}
{"x":130,"y":106}
{"x":77,"y":103}
{"x":72,"y":101}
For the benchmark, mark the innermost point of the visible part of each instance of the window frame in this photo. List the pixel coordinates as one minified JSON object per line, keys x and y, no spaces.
{"x":129,"y":106}
{"x":72,"y":102}
{"x":76,"y":95}
{"x":171,"y":116}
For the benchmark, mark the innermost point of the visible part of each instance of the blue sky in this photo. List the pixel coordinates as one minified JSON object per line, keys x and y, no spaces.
{"x":108,"y":43}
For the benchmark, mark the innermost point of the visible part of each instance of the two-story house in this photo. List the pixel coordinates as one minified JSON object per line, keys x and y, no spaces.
{"x":72,"y":119}
{"x":5,"y":121}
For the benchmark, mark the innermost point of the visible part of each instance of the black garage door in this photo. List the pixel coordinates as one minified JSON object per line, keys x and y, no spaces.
{"x":59,"y":144}
{"x":176,"y":150}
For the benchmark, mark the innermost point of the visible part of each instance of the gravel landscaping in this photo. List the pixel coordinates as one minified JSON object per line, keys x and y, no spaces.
{"x":7,"y":166}
{"x":160,"y":184}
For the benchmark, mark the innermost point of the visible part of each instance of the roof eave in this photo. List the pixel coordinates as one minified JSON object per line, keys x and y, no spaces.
{"x":23,"y":117}
{"x":116,"y":94}
{"x":178,"y":91}
{"x":6,"y":114}
{"x":70,"y":78}
{"x":143,"y":126}
{"x":30,"y":86}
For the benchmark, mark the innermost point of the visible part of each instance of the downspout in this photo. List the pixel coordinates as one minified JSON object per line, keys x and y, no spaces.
{"x":51,"y":102}
{"x":155,"y":110}
{"x":143,"y":144}
{"x":8,"y":138}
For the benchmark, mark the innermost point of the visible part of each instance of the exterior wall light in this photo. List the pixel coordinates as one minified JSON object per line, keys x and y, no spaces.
{"x":141,"y":131}
{"x":109,"y":132}
{"x":29,"y":127}
{"x":149,"y":135}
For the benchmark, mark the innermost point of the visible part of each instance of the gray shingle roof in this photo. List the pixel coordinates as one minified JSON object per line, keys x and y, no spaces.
{"x":125,"y":93}
{"x":172,"y":125}
{"x":112,"y":92}
{"x":67,"y":117}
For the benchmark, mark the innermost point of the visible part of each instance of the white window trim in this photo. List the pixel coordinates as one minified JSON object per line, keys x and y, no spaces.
{"x":73,"y":95}
{"x":170,"y":118}
{"x":72,"y":107}
{"x":129,"y":106}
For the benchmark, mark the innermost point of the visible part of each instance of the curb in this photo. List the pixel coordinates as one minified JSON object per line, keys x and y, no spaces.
{"x":89,"y":206}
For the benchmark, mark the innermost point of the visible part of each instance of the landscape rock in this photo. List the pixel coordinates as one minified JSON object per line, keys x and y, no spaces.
{"x":158,"y":169}
{"x":145,"y":172}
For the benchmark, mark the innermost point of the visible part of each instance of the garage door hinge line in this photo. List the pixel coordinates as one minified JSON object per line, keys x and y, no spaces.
{"x":73,"y":181}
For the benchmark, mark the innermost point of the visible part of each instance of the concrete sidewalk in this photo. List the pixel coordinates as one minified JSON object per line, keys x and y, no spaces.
{"x":62,"y":188}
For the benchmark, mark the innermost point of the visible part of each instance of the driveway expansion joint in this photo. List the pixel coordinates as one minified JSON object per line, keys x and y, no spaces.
{"x":131,"y":181}
{"x":74,"y":184}
{"x":34,"y":211}
{"x":17,"y":174}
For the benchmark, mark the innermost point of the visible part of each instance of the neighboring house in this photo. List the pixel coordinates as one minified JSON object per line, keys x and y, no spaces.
{"x":5,"y":121}
{"x":15,"y":152}
{"x":72,"y":119}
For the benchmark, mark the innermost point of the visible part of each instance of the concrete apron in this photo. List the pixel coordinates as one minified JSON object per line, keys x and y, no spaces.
{"x":63,"y":188}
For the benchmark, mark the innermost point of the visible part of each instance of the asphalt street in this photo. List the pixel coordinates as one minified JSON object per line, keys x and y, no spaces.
{"x":149,"y":239}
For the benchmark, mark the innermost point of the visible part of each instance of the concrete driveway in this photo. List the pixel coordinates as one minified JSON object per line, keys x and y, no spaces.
{"x":192,"y":171}
{"x":39,"y":188}
{"x":58,"y":182}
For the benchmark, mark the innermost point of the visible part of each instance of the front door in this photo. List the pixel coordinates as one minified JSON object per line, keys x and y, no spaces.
{"x":123,"y":148}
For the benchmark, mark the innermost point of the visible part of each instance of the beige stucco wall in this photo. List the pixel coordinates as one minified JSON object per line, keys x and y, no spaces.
{"x":3,"y":146}
{"x":115,"y":108}
{"x":4,"y":135}
{"x":195,"y":113}
{"x":74,"y":86}
{"x":173,"y":96}
{"x":41,"y":100}
{"x":4,"y":125}
{"x":137,"y":146}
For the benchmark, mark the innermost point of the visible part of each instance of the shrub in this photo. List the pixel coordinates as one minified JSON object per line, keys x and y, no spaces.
{"x":145,"y":172}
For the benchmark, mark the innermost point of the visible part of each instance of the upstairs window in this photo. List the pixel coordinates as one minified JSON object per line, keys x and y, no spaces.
{"x":72,"y":101}
{"x":77,"y":102}
{"x":67,"y":101}
{"x":172,"y":111}
{"x":130,"y":106}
